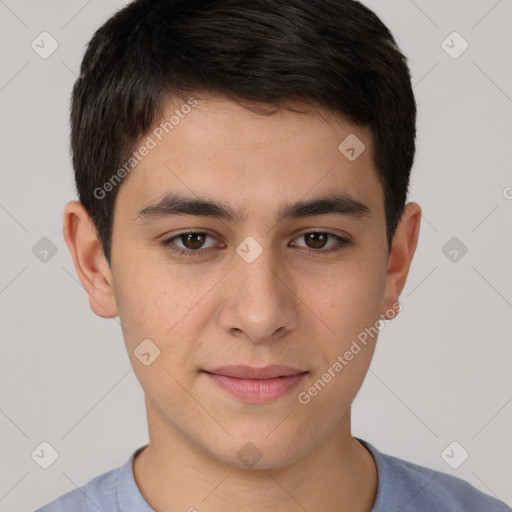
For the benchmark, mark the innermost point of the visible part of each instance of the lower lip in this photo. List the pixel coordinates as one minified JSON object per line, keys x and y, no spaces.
{"x":256,"y":391}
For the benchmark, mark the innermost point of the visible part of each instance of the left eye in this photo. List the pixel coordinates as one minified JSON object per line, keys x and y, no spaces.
{"x":319,"y":239}
{"x":193,"y":242}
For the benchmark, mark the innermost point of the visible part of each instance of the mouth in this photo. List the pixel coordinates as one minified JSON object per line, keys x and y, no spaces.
{"x":256,"y":385}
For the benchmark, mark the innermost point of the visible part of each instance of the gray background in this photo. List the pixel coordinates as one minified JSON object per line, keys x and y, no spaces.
{"x":441,"y":372}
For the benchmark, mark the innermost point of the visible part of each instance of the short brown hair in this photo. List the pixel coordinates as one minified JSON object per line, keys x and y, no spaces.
{"x":336,"y":54}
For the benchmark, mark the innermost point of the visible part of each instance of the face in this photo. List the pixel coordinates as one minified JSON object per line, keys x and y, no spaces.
{"x":224,"y":255}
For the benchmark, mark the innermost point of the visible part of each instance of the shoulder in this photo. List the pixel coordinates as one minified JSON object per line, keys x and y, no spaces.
{"x":410,"y":487}
{"x":444,"y":491}
{"x":100,"y":493}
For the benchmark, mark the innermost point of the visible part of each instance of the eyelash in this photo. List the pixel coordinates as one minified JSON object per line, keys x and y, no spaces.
{"x":168,"y":244}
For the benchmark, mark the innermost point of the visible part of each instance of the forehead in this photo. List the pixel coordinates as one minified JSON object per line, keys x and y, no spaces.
{"x":213,"y":147}
{"x":228,"y":122}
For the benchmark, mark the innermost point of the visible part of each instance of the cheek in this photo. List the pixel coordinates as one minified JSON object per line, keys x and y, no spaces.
{"x":349,"y":310}
{"x":165,"y":306}
{"x":347,"y":301}
{"x":154,"y":320}
{"x":151,"y":298}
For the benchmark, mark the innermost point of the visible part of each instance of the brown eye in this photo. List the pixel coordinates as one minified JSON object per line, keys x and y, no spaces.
{"x":316,"y":240}
{"x":193,"y":241}
{"x":188,"y":244}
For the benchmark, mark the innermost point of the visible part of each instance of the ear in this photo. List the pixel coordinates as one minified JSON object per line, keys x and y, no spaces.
{"x":402,"y":251}
{"x":90,"y":263}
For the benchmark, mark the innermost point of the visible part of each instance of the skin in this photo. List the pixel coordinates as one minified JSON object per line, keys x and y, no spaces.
{"x":286,"y":307}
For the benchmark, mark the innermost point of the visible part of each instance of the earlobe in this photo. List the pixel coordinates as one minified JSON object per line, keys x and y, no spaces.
{"x":88,"y":257}
{"x":403,"y":248}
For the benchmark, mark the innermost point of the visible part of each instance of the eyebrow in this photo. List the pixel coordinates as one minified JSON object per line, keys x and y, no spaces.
{"x":175,"y":204}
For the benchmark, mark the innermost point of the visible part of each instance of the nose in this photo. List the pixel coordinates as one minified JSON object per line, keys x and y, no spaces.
{"x":258,"y":301}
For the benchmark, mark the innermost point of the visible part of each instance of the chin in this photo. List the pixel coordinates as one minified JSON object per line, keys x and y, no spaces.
{"x":258,"y":452}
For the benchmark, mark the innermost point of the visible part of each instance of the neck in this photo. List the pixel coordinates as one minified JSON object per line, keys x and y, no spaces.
{"x":338,"y":475}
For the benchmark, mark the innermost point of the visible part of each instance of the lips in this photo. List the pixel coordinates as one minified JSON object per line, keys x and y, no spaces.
{"x":256,"y":385}
{"x":250,"y":372}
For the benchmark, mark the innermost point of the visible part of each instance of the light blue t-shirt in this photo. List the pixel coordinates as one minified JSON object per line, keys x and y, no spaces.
{"x":402,"y":486}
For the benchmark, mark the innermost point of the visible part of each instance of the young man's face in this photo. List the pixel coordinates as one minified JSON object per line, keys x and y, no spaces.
{"x":256,"y":290}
